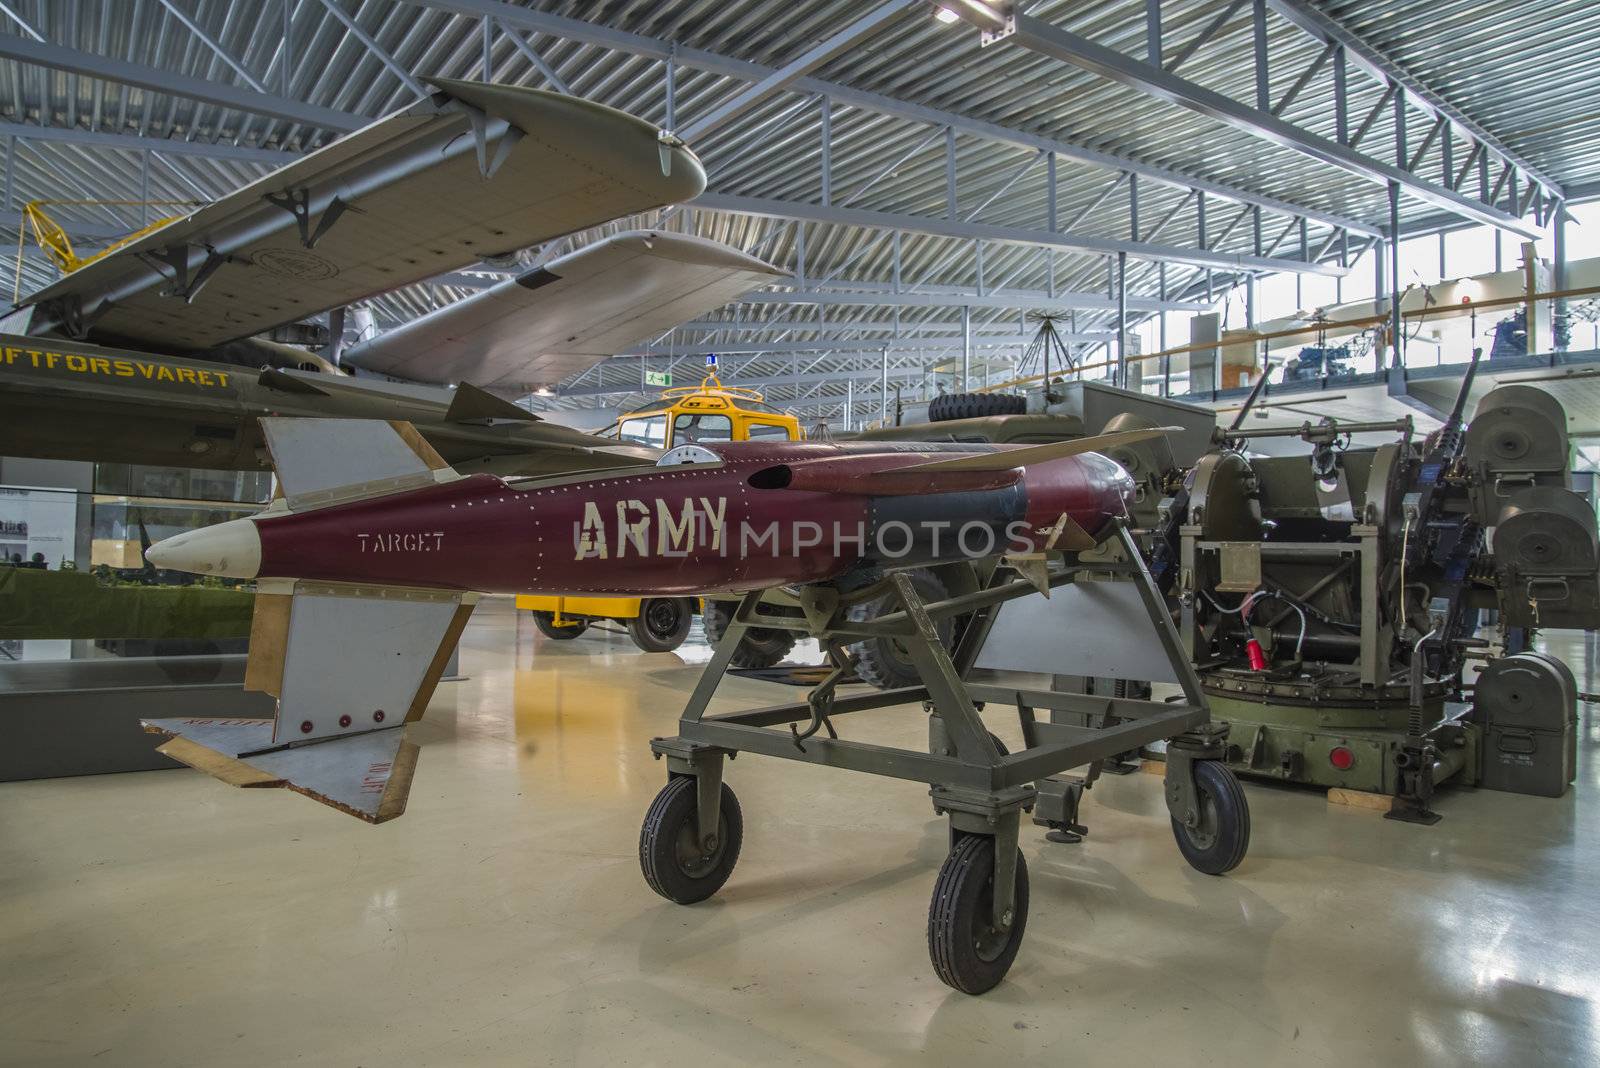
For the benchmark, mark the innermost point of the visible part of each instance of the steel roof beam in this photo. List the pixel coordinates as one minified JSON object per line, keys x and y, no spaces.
{"x":1007,"y":301}
{"x":1365,"y":55}
{"x":850,"y":326}
{"x":370,"y":43}
{"x":1038,"y":36}
{"x":1010,"y":235}
{"x":134,"y":143}
{"x":545,"y":70}
{"x":795,"y":69}
{"x":1102,"y":301}
{"x":766,"y":382}
{"x":713,"y":62}
{"x":724,"y":348}
{"x":211,"y":42}
{"x":220,"y":94}
{"x":949,"y":297}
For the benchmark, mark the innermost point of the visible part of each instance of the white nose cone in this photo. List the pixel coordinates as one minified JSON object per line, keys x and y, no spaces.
{"x":230,"y":550}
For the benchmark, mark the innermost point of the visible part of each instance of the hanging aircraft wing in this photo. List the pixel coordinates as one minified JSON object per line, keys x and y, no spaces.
{"x":558,"y":319}
{"x":474,"y":170}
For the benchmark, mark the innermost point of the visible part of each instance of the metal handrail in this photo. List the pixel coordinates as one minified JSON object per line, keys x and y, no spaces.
{"x":1253,"y":336}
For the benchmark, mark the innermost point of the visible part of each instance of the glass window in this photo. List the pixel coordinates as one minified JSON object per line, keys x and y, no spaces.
{"x":1469,"y":252}
{"x":768,"y":432}
{"x":1317,"y":291}
{"x":689,"y":428}
{"x":651,"y":431}
{"x":1419,"y":261}
{"x":1276,"y":297}
{"x":1357,"y":285}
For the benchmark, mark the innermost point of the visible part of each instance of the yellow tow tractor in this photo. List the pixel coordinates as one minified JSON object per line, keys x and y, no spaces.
{"x":679,"y":416}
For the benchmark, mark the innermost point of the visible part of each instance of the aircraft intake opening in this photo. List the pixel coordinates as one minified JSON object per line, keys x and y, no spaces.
{"x":776,"y":477}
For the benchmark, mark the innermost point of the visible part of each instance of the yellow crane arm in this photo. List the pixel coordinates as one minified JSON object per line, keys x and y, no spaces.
{"x":54,"y":242}
{"x":51,"y":239}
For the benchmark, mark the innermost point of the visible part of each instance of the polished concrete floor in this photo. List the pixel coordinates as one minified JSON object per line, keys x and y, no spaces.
{"x":163,"y":918}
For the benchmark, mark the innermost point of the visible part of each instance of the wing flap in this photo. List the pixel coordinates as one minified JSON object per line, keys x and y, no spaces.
{"x":556,"y":320}
{"x":354,"y":666}
{"x":365,"y":775}
{"x":215,"y":764}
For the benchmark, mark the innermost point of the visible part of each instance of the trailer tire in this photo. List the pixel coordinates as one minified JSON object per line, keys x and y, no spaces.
{"x":662,"y":624}
{"x":882,"y":662}
{"x":761,"y":647}
{"x":975,"y":406}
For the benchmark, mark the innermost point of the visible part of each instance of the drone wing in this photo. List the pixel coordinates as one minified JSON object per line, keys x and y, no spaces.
{"x":1006,"y":459}
{"x":350,"y":666}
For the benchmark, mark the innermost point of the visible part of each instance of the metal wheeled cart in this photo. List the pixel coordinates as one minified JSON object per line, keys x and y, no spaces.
{"x":692,"y":833}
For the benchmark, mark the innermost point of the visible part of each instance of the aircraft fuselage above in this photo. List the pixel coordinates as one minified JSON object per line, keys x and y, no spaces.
{"x":66,"y":400}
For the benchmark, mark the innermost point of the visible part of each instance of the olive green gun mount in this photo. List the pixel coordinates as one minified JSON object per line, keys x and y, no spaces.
{"x":1331,"y":601}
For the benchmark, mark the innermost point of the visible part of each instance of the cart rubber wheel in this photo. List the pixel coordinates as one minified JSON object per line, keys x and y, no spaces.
{"x":669,"y":849}
{"x":1219,"y":843}
{"x":968,"y":953}
{"x":662,"y":624}
{"x":881,"y":661}
{"x":761,"y":647}
{"x":546,"y":622}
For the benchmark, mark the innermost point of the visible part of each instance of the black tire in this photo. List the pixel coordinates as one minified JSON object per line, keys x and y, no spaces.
{"x":975,"y":406}
{"x":966,"y":950}
{"x":546,"y":622}
{"x":1218,"y":845}
{"x":881,"y":661}
{"x":662,"y":623}
{"x":761,"y":647}
{"x":668,"y":844}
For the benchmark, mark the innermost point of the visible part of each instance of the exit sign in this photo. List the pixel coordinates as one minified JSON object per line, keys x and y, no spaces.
{"x":657,"y":378}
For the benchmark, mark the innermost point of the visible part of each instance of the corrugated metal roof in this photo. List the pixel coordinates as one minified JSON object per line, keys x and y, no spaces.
{"x":1517,"y":69}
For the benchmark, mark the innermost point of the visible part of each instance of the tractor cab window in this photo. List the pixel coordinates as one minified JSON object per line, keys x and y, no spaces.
{"x":650,"y":430}
{"x":768,"y":432}
{"x":691,"y":428}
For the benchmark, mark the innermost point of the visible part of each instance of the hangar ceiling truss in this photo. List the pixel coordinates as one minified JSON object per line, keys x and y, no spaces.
{"x":1101,"y":160}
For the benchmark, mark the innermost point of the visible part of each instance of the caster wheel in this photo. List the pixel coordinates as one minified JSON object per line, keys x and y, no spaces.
{"x":674,"y":864}
{"x":546,"y":624}
{"x":1219,"y":843}
{"x":968,"y":952}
